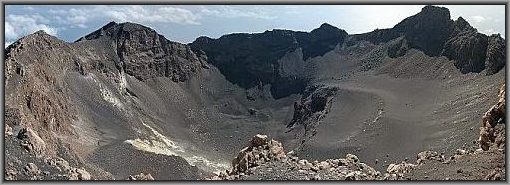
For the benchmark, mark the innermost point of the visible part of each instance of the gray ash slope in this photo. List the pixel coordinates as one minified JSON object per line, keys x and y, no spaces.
{"x":125,"y":92}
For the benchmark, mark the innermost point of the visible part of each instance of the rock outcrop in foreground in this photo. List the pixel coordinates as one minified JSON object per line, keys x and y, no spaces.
{"x":492,"y":134}
{"x":141,"y":176}
{"x":265,"y":159}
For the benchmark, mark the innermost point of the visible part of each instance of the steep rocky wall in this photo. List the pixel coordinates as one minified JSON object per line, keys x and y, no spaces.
{"x":250,"y":59}
{"x":434,"y":33}
{"x":496,"y":53}
{"x":145,"y":54}
{"x":36,"y":91}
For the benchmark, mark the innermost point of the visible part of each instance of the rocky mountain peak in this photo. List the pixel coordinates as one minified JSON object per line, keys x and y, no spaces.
{"x":436,"y":11}
{"x":202,"y":40}
{"x":40,"y":32}
{"x":40,"y":35}
{"x":327,"y":31}
{"x":323,"y":39}
{"x":251,"y":59}
{"x":145,"y":54}
{"x":461,"y":22}
{"x":100,"y":32}
{"x":428,"y":30}
{"x":461,"y":25}
{"x":435,"y":34}
{"x":326,"y":25}
{"x":39,"y":40}
{"x":115,"y":30}
{"x":429,"y":17}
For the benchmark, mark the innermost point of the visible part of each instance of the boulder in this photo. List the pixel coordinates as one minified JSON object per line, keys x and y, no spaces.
{"x":260,"y":150}
{"x":324,"y":165}
{"x":32,"y":169}
{"x":79,"y":174}
{"x":355,"y":175}
{"x":143,"y":176}
{"x":258,"y":140}
{"x":10,"y":174}
{"x":429,"y":155}
{"x":352,"y":158}
{"x":398,"y":170}
{"x":496,"y":174}
{"x":8,"y":130}
{"x":460,"y":152}
{"x":31,"y":141}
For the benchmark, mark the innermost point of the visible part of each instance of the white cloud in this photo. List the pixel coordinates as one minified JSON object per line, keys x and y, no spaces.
{"x":477,"y":18}
{"x":165,"y":14}
{"x":61,"y":19}
{"x":10,"y":33}
{"x":361,"y":18}
{"x":20,"y":25}
{"x":79,"y":17}
{"x":235,"y":12}
{"x":7,"y":44}
{"x":487,"y":19}
{"x":353,"y":18}
{"x":28,"y":8}
{"x":489,"y":31}
{"x":291,"y":9}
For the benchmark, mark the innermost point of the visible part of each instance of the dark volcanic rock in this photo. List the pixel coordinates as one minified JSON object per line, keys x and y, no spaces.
{"x":398,"y":47}
{"x":145,"y":54}
{"x":496,"y":54}
{"x":321,"y":40}
{"x":426,"y":31}
{"x":467,"y":47}
{"x":249,"y":59}
{"x":433,"y":32}
{"x":473,"y":51}
{"x":312,"y":106}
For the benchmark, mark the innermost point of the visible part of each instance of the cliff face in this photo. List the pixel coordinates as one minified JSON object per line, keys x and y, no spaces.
{"x":145,"y":54}
{"x":496,"y":53}
{"x":467,"y":47}
{"x":250,"y":59}
{"x":35,"y":89}
{"x":434,"y":33}
{"x":426,"y":31}
{"x":50,"y":83}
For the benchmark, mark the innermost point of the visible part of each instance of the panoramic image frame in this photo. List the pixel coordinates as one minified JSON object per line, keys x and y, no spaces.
{"x":254,"y":92}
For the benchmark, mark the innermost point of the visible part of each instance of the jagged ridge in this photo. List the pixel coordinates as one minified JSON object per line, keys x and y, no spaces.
{"x":145,"y":54}
{"x":250,"y":59}
{"x":433,"y":32}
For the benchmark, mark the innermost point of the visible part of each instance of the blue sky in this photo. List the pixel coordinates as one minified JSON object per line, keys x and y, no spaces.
{"x":184,"y":23}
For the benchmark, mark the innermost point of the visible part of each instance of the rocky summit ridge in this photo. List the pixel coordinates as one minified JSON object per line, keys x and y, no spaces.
{"x":433,"y":32}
